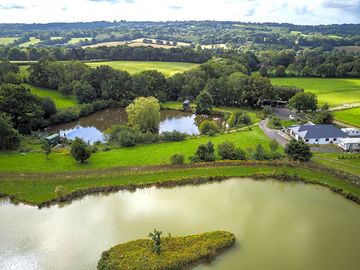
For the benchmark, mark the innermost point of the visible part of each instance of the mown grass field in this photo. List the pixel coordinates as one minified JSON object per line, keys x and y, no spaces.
{"x":74,"y":41}
{"x":152,"y":154}
{"x":333,"y":91}
{"x":331,"y":160}
{"x":168,"y":68}
{"x":7,"y":40}
{"x":33,"y":41}
{"x":350,"y":116}
{"x":60,"y":100}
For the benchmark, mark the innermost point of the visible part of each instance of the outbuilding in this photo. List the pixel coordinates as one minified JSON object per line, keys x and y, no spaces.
{"x":349,"y":144}
{"x":53,"y":139}
{"x":352,"y":132}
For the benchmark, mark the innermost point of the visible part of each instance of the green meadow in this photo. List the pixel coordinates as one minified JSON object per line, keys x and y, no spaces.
{"x":332,"y":160}
{"x":33,"y":41}
{"x":60,"y":100}
{"x":74,"y":41}
{"x":168,"y":68}
{"x":7,"y":40}
{"x":350,"y":116}
{"x":333,"y":91}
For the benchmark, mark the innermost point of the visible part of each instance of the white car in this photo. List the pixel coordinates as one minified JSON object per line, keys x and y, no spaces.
{"x":292,"y":117}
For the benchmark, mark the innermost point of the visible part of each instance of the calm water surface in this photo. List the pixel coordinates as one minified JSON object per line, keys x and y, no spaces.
{"x":91,"y":128}
{"x":278,"y":226}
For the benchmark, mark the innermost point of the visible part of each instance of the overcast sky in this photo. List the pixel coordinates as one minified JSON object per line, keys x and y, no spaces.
{"x":293,"y":11}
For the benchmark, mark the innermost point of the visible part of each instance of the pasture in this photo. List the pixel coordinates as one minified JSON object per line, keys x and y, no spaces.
{"x":60,"y":100}
{"x":350,"y":116}
{"x":74,"y":41}
{"x":138,"y":43}
{"x":33,"y":41}
{"x":333,"y":91}
{"x":168,"y":68}
{"x":7,"y":40}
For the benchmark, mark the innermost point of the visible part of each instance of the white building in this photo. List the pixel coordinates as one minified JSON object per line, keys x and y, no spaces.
{"x":317,"y":134}
{"x":352,"y":132}
{"x":349,"y":144}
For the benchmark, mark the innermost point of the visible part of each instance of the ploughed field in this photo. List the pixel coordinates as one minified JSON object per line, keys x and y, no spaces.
{"x":168,"y":68}
{"x":333,"y":91}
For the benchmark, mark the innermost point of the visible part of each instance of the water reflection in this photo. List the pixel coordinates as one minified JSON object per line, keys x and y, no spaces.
{"x":91,"y":128}
{"x":278,"y":226}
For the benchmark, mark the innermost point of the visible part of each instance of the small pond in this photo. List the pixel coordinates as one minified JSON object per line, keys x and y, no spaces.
{"x":91,"y":128}
{"x":278,"y":226}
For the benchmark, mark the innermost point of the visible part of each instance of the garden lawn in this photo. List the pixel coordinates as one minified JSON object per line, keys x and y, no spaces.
{"x":350,"y":116}
{"x":331,"y":160}
{"x":168,"y":68}
{"x":152,"y":154}
{"x":60,"y":100}
{"x":333,"y":91}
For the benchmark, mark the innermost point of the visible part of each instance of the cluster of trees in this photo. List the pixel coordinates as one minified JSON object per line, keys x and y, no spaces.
{"x":122,"y":52}
{"x":309,"y":63}
{"x":216,"y":82}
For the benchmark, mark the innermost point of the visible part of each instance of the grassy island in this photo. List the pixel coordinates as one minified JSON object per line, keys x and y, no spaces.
{"x":176,"y":252}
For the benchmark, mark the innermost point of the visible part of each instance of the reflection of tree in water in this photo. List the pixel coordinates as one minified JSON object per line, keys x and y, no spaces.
{"x":200,"y":118}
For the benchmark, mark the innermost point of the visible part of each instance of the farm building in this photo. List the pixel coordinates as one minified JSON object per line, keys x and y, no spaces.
{"x":352,"y":132}
{"x":316,"y":134}
{"x":349,"y":144}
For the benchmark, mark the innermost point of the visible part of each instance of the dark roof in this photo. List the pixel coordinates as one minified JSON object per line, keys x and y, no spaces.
{"x":321,"y":131}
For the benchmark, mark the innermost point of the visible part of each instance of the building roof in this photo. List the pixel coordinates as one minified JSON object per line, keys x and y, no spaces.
{"x":350,"y":129}
{"x":318,"y":131}
{"x":350,"y":140}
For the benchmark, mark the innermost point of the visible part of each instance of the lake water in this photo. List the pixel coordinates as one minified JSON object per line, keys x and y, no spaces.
{"x":91,"y":128}
{"x":278,"y":226}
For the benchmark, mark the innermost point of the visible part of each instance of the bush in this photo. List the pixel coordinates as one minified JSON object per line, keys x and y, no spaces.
{"x":60,"y":191}
{"x":64,"y":116}
{"x":205,"y":152}
{"x":177,"y":159}
{"x":209,"y":127}
{"x":275,"y":122}
{"x":239,"y":118}
{"x":298,"y":150}
{"x":172,"y":136}
{"x":127,"y":138}
{"x":267,"y":110}
{"x":147,"y":137}
{"x":80,"y":150}
{"x":260,"y":153}
{"x":227,"y":150}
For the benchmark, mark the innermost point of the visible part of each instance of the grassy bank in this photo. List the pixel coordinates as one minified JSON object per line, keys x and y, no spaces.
{"x":168,"y":68}
{"x":350,"y":164}
{"x":176,"y":252}
{"x":37,"y":188}
{"x":60,"y":100}
{"x":350,"y":116}
{"x":152,"y":154}
{"x":333,"y":91}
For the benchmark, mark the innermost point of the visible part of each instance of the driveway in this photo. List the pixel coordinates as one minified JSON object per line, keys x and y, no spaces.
{"x":278,"y":135}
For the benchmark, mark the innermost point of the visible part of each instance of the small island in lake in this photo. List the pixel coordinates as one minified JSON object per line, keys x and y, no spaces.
{"x":163,"y":253}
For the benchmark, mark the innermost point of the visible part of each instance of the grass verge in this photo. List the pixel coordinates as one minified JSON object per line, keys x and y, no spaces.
{"x":176,"y":252}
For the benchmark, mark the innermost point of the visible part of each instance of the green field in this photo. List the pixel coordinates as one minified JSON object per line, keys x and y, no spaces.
{"x":168,"y":68}
{"x":350,"y":116}
{"x":331,"y":160}
{"x":333,"y":91}
{"x":74,"y":41}
{"x":33,"y":41}
{"x":7,"y":40}
{"x":152,"y":154}
{"x":60,"y":100}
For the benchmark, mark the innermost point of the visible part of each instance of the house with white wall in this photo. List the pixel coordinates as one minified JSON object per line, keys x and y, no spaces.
{"x":317,"y":134}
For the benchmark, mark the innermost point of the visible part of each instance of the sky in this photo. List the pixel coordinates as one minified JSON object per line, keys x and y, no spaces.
{"x":291,"y":11}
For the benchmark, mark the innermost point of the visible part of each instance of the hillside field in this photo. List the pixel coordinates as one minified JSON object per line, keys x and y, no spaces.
{"x":350,"y":116}
{"x":7,"y":40}
{"x":333,"y":91}
{"x":33,"y":41}
{"x":168,"y":68}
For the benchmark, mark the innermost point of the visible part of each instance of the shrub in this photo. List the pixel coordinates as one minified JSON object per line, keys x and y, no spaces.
{"x":60,"y":191}
{"x":267,"y":110}
{"x":275,"y":122}
{"x":239,"y":118}
{"x":298,"y":150}
{"x":64,"y":116}
{"x":172,"y":136}
{"x":177,"y":159}
{"x":209,"y":127}
{"x":274,"y":145}
{"x":147,"y":137}
{"x":227,"y":150}
{"x":80,"y":150}
{"x":205,"y":152}
{"x":260,"y":153}
{"x":127,"y":138}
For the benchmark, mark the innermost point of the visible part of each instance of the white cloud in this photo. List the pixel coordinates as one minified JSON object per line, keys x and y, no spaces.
{"x":299,"y":12}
